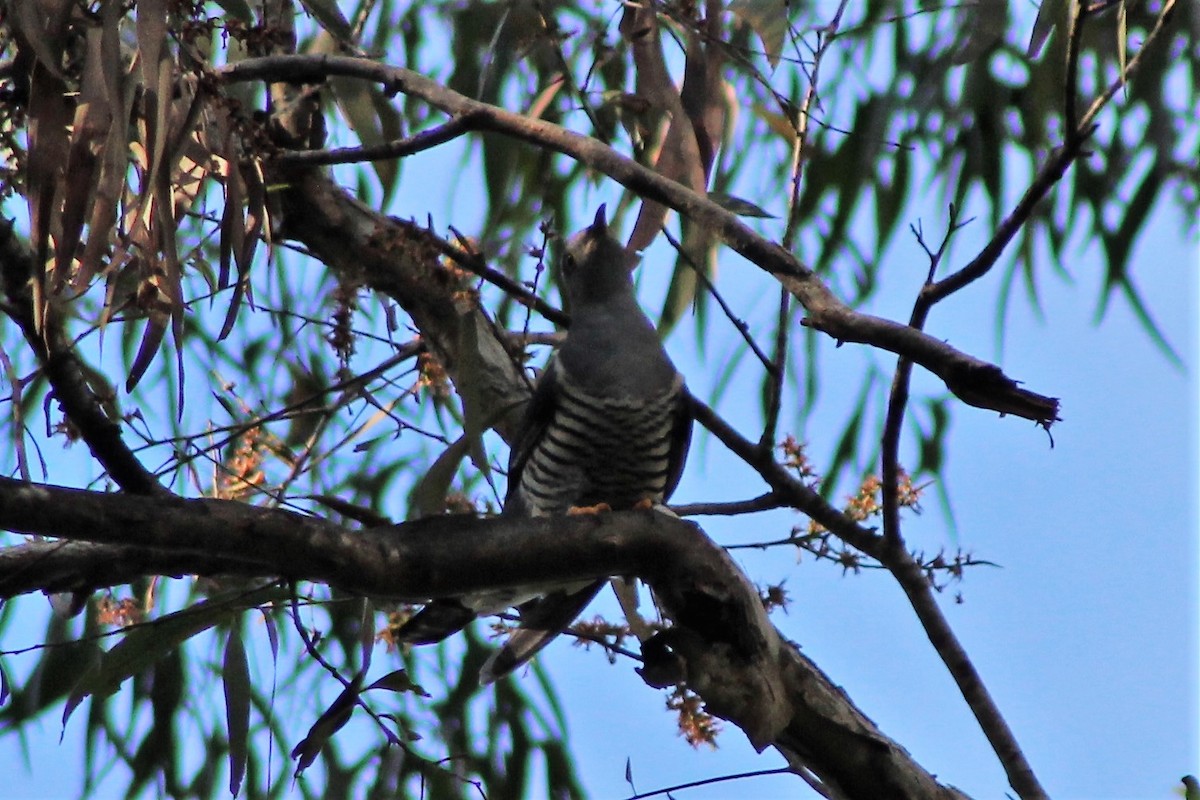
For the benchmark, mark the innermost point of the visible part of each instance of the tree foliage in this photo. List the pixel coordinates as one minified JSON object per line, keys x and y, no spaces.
{"x":257,"y":370}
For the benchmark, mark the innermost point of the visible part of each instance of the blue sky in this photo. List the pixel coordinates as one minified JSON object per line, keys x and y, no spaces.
{"x":1086,"y":634}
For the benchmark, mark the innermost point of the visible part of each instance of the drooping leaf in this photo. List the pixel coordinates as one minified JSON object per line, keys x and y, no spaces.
{"x":152,"y":336}
{"x":472,"y":389}
{"x":769,"y":20}
{"x":329,"y":723}
{"x":983,"y":25}
{"x":370,"y":115}
{"x":235,"y":675}
{"x":330,"y":18}
{"x":144,"y":645}
{"x":740,"y":206}
{"x":428,"y":496}
{"x":1050,"y":13}
{"x":91,"y":124}
{"x":237,"y":9}
{"x":398,"y":681}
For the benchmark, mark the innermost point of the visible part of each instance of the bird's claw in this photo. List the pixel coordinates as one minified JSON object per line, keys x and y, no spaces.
{"x":599,"y":508}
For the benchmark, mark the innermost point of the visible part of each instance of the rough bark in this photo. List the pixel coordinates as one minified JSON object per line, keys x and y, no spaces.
{"x":721,"y":642}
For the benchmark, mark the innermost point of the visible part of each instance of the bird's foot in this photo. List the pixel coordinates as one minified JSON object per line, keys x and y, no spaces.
{"x":599,"y":508}
{"x":645,"y":504}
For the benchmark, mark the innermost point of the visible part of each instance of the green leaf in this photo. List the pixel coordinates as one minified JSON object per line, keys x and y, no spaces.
{"x":736,"y":205}
{"x":983,"y":25}
{"x":847,"y":446}
{"x":769,"y":20}
{"x":1050,"y":14}
{"x":681,"y":294}
{"x":235,"y":674}
{"x":144,"y":646}
{"x":374,"y":122}
{"x":238,"y":9}
{"x":1122,"y":44}
{"x":778,"y":123}
{"x":366,"y":632}
{"x":329,"y":723}
{"x":429,"y":495}
{"x":398,"y":681}
{"x":890,"y":198}
{"x":330,"y":18}
{"x":472,"y":389}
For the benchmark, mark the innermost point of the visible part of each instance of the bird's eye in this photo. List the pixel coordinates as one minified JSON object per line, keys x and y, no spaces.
{"x":569,"y":262}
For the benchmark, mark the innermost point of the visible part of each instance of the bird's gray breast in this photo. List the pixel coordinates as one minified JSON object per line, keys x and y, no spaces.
{"x":600,"y":448}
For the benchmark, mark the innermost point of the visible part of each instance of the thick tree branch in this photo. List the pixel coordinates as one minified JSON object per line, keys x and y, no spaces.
{"x":912,"y":579}
{"x":404,"y":261}
{"x":53,"y":349}
{"x":82,"y":567}
{"x":974,"y":381}
{"x":785,"y":488}
{"x":720,"y":642}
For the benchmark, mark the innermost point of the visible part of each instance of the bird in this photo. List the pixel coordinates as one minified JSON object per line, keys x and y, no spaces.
{"x":607,"y":428}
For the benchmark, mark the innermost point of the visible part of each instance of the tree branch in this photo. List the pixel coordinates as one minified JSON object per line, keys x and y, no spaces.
{"x":1055,"y":167}
{"x":787,"y":489}
{"x":721,"y":642}
{"x":79,"y":401}
{"x":974,"y":381}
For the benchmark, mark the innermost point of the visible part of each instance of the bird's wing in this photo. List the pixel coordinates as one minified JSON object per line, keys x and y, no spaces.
{"x":537,"y":417}
{"x":681,"y":438}
{"x":433,"y":623}
{"x":444,"y":617}
{"x":542,"y":619}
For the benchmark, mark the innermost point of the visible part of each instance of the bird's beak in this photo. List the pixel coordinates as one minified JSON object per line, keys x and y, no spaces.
{"x":600,"y":224}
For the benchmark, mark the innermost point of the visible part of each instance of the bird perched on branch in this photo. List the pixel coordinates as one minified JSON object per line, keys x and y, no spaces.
{"x":607,"y":428}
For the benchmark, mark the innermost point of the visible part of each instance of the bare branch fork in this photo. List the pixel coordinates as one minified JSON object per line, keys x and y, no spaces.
{"x":900,"y":563}
{"x":721,"y":642}
{"x":895,"y":555}
{"x":973,"y":380}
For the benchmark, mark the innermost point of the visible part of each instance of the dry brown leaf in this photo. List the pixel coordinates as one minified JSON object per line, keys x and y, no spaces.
{"x":41,"y":25}
{"x":696,"y":112}
{"x":114,"y":152}
{"x":93,"y":118}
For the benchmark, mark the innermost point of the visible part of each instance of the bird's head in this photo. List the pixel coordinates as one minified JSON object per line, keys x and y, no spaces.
{"x":595,"y":266}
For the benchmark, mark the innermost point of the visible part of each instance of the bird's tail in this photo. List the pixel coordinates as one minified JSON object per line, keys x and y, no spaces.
{"x":434,"y":622}
{"x":542,"y":619}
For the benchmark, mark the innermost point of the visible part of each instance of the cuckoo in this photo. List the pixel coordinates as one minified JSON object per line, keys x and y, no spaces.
{"x":607,"y":428}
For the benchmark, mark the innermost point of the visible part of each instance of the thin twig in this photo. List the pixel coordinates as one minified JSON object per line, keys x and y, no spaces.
{"x":970,"y":684}
{"x":898,"y":395}
{"x":398,"y":148}
{"x":974,"y":381}
{"x":710,"y":781}
{"x":911,"y":578}
{"x":825,"y":37}
{"x":1160,"y":24}
{"x":1079,"y":10}
{"x":779,"y":374}
{"x":914,"y":580}
{"x":66,"y":372}
{"x":1050,"y":174}
{"x":739,"y":324}
{"x":474,"y":262}
{"x":764,"y":502}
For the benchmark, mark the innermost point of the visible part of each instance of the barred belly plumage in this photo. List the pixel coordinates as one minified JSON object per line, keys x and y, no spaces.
{"x":600,"y":449}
